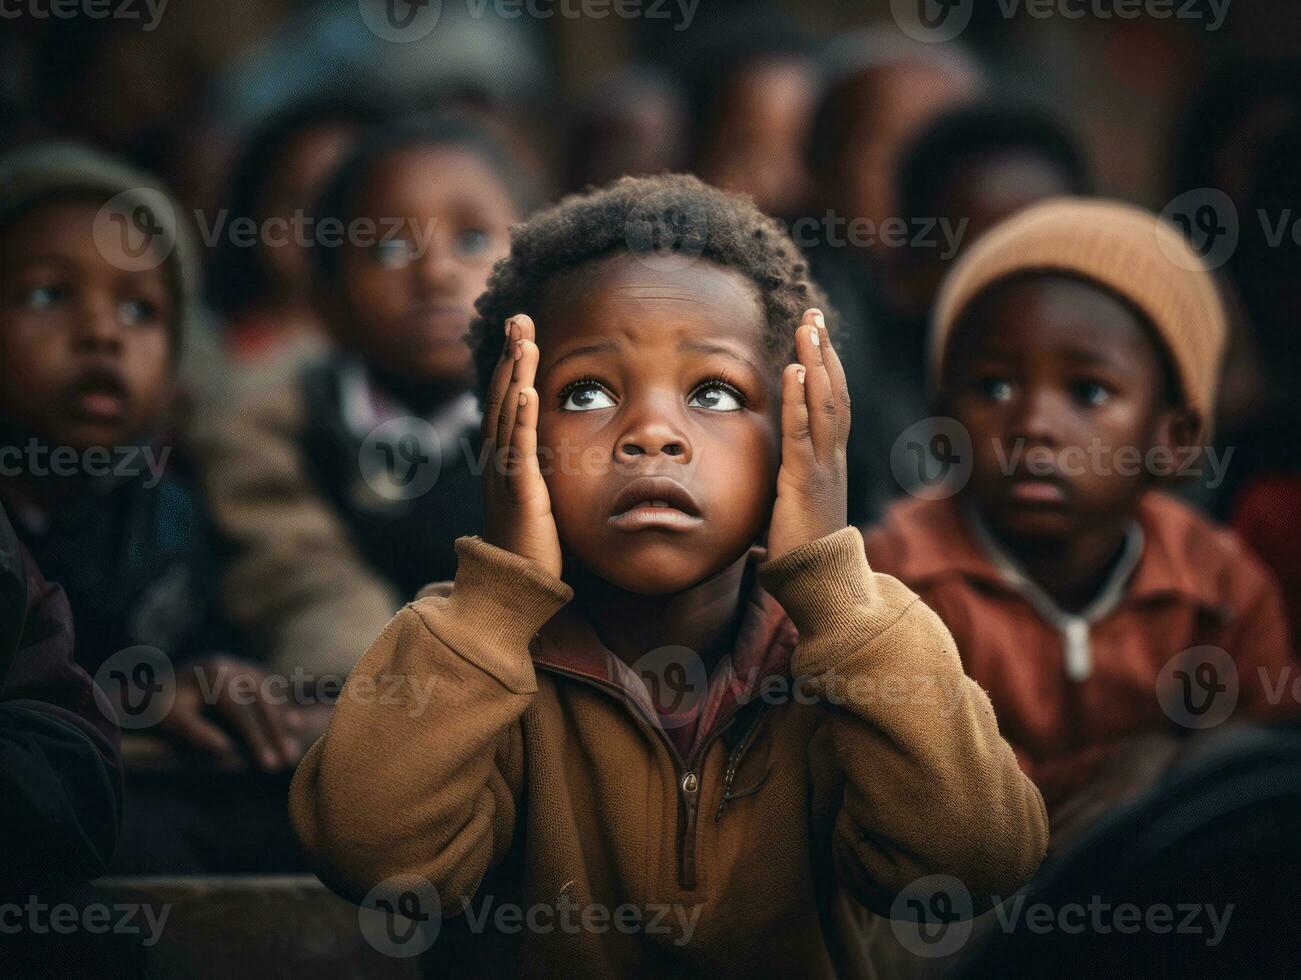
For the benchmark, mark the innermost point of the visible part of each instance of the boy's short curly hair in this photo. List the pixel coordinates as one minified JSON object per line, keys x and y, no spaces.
{"x":672,"y":215}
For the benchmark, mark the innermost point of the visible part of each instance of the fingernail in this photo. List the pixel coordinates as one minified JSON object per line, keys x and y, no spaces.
{"x":813,"y":336}
{"x":507,"y":326}
{"x":800,"y":375}
{"x":818,"y":319}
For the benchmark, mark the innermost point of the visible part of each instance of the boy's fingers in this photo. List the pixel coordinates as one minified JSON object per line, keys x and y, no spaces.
{"x":525,"y":439}
{"x":191,"y":727}
{"x":524,"y":363}
{"x":795,"y":413}
{"x":836,"y":374}
{"x":247,"y":721}
{"x":497,"y":386}
{"x":276,"y":721}
{"x":818,"y":394}
{"x":524,"y":326}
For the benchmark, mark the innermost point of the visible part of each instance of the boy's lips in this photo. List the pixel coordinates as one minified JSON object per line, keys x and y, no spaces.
{"x":100,"y":397}
{"x":1037,"y":490}
{"x":658,"y":501}
{"x":439,"y":321}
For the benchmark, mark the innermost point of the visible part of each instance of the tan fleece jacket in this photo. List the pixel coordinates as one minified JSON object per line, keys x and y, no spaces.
{"x":505,"y":781}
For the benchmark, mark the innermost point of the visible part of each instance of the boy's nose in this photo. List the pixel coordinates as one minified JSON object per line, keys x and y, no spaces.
{"x":1037,"y":417}
{"x":436,"y":267}
{"x":653,"y":435}
{"x":98,"y":323}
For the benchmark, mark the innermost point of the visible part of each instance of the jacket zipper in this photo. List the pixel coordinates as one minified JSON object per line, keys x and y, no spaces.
{"x":688,"y":778}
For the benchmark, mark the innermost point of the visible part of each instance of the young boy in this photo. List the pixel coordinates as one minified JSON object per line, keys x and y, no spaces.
{"x":647,"y":432}
{"x":344,"y":486}
{"x":92,"y":315}
{"x":1078,"y":344}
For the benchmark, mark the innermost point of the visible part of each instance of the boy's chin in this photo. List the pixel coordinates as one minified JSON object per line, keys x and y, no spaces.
{"x":1034,"y":523}
{"x":656,"y":570}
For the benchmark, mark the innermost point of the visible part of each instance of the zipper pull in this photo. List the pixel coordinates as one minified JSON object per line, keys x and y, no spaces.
{"x":690,"y":787}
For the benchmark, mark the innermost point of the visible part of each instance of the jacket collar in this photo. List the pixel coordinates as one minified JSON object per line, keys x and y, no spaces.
{"x":940,"y":544}
{"x":766,"y":638}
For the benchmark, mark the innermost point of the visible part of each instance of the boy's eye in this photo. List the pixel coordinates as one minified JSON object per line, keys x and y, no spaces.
{"x":1092,"y":394}
{"x":996,"y":389}
{"x":393,"y":253}
{"x":585,"y":396}
{"x":717,"y":397}
{"x":44,"y":297}
{"x":472,"y":241}
{"x":138,"y":311}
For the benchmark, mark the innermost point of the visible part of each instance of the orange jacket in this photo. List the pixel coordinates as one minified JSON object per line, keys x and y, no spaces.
{"x":1194,"y":586}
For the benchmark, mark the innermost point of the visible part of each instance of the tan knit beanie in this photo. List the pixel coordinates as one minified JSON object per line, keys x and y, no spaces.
{"x":1125,"y":248}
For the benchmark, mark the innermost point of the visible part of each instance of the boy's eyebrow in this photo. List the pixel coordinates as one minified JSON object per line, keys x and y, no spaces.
{"x":701,"y":347}
{"x":1086,"y":355}
{"x":604,"y":347}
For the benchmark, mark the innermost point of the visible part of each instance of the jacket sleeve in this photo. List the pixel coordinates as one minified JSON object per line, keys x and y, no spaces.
{"x":428,"y":787}
{"x":294,"y":581}
{"x":60,"y":771}
{"x":929,"y":785}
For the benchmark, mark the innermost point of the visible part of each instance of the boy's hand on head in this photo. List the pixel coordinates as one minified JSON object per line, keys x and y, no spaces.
{"x":517,"y":506}
{"x":812,"y":498}
{"x":221,"y":689}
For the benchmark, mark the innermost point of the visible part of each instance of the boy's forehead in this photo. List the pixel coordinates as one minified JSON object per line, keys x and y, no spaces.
{"x":643,"y":298}
{"x":49,"y":222}
{"x":69,"y":228}
{"x":1053,"y":313}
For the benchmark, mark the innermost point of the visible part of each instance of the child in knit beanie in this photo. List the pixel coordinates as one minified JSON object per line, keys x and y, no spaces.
{"x":1074,"y":353}
{"x":96,"y":274}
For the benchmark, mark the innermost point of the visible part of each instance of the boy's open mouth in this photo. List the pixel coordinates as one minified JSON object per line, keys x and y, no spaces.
{"x":655,"y":502}
{"x":99,"y":396}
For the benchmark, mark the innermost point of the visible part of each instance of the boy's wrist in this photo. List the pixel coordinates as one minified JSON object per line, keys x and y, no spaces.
{"x":503,"y":594}
{"x":826,"y":585}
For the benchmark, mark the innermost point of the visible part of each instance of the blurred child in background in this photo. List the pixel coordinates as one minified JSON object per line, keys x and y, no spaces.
{"x":1079,"y":344}
{"x":751,"y":97}
{"x":60,"y":774}
{"x":93,"y":313}
{"x":344,"y":489}
{"x":965,"y":172}
{"x":879,"y":90}
{"x":634,"y":124}
{"x":263,"y":288}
